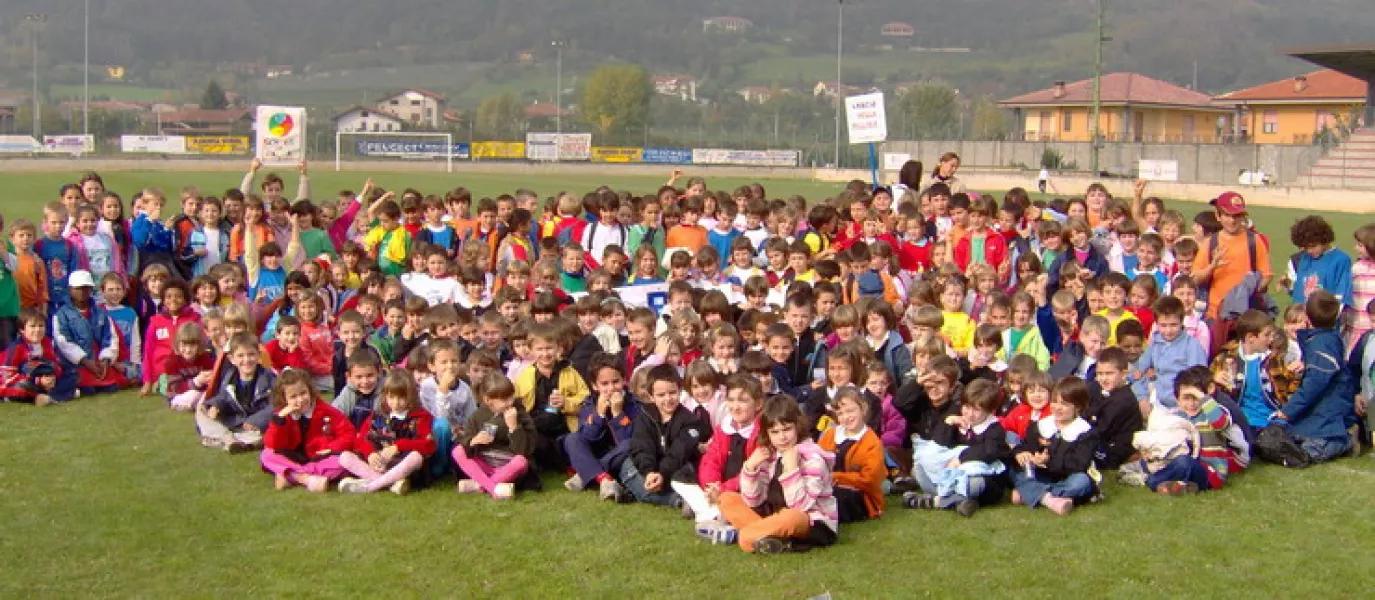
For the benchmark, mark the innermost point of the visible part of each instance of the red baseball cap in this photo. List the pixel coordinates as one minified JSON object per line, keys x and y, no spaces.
{"x":1231,"y":203}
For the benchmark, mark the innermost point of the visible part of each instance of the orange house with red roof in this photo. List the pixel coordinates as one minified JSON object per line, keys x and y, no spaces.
{"x":1291,"y":111}
{"x":1133,"y":108}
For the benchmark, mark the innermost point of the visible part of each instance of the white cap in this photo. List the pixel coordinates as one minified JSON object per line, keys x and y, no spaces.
{"x":81,"y":279}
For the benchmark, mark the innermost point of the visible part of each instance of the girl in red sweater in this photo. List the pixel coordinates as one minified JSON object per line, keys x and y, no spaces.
{"x":317,"y":341}
{"x":732,"y":443}
{"x":305,"y":436}
{"x":394,"y":442}
{"x":1034,"y":406}
{"x":188,"y":371}
{"x":158,"y":343}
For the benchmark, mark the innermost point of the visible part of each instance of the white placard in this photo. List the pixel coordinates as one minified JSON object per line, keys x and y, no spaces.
{"x":1158,"y":170}
{"x":156,"y":144}
{"x":18,"y":143}
{"x":558,"y":146}
{"x":69,"y":144}
{"x":281,"y":134}
{"x":893,"y":161}
{"x":866,"y":119}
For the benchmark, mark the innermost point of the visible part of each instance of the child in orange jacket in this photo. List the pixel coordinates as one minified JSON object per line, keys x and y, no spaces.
{"x":859,"y":470}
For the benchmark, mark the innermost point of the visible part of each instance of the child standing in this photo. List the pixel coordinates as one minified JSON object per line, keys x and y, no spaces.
{"x":687,"y":233}
{"x":305,"y":436}
{"x":158,"y":342}
{"x":1057,"y":453}
{"x":1362,"y":282}
{"x":495,"y":445}
{"x":235,"y":417}
{"x":58,"y":255}
{"x":393,"y":443}
{"x":388,"y":242}
{"x":29,"y":271}
{"x":786,"y":499}
{"x":96,"y":251}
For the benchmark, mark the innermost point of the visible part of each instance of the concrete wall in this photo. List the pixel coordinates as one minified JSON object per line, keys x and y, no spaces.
{"x":1198,"y":163}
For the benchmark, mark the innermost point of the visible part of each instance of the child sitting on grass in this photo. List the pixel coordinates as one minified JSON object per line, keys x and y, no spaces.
{"x":786,"y":500}
{"x":859,"y":471}
{"x":393,"y":443}
{"x":1054,"y":459}
{"x":305,"y":437}
{"x":663,"y":446}
{"x":496,"y":443}
{"x":961,"y":466}
{"x":605,"y":426}
{"x":1187,"y":474}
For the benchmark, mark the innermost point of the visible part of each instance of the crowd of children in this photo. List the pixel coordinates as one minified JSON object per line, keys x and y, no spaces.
{"x":807,"y":360}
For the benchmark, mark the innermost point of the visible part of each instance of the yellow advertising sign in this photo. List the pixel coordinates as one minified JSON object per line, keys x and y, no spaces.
{"x":483,"y":150}
{"x":617,"y":155}
{"x":217,"y":144}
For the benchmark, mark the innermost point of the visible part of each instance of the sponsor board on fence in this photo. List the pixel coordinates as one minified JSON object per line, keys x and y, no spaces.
{"x":558,"y":146}
{"x":411,"y":148}
{"x":281,"y":134}
{"x":753,"y":158}
{"x":668,"y":156}
{"x":865,"y":118}
{"x":18,"y":143}
{"x":498,"y":150}
{"x":653,"y":296}
{"x":156,"y":144}
{"x":217,"y":144}
{"x":617,"y":155}
{"x":69,"y":144}
{"x":1158,"y":170}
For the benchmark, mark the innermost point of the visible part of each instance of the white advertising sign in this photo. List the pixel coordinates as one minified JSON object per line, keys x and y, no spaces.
{"x":866,"y":118}
{"x":156,"y":144}
{"x":1158,"y":170}
{"x":281,"y":134}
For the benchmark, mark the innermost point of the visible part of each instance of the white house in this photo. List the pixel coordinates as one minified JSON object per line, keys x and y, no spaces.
{"x":420,"y":108}
{"x":362,"y":118}
{"x":682,"y":86}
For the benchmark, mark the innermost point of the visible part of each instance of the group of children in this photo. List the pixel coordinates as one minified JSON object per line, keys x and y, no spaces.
{"x":781,"y":368}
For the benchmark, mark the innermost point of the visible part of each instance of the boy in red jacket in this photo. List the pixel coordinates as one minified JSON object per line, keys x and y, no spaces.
{"x":981,"y":235}
{"x":30,"y":369}
{"x":305,"y":436}
{"x":732,"y":443}
{"x":285,"y":350}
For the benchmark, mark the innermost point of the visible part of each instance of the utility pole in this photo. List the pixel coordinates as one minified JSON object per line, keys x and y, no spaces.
{"x":1097,"y":92}
{"x":558,"y":100}
{"x":35,"y":22}
{"x":839,"y":97}
{"x":86,"y":75}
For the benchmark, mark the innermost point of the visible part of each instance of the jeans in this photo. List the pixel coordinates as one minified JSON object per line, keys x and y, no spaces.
{"x":635,"y":482}
{"x":443,"y":447}
{"x":976,"y":489}
{"x":1324,"y":449}
{"x":1034,"y":489}
{"x":1182,"y":468}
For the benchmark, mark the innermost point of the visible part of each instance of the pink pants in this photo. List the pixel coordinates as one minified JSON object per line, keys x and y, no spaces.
{"x":280,"y":465}
{"x":381,"y":481}
{"x":487,"y":476}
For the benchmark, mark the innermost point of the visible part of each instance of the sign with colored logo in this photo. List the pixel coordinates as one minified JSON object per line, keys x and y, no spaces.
{"x":281,"y":133}
{"x":217,"y":144}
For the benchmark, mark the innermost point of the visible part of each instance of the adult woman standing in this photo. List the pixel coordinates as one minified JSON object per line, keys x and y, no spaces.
{"x":945,"y":172}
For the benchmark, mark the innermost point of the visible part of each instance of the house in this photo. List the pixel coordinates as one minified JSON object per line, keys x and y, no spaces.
{"x":897,"y":29}
{"x":1133,"y":108}
{"x":682,"y":86}
{"x":728,"y":24}
{"x":1291,"y":111}
{"x":526,"y":57}
{"x":276,"y":71}
{"x":363,"y":118}
{"x":200,"y":121}
{"x":757,"y":94}
{"x":545,"y":110}
{"x":828,"y":89}
{"x":420,"y":108}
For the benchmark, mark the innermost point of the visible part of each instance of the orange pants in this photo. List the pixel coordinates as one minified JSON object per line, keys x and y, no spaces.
{"x":786,"y":523}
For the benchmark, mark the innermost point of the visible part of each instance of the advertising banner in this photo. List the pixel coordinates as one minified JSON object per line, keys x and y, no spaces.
{"x":752,"y":158}
{"x":411,"y":148}
{"x":498,"y":150}
{"x":18,"y":143}
{"x":865,"y":118}
{"x":617,"y":155}
{"x":217,"y":144}
{"x":155,"y":144}
{"x":69,"y":144}
{"x":668,"y":156}
{"x":281,"y":134}
{"x":558,"y":146}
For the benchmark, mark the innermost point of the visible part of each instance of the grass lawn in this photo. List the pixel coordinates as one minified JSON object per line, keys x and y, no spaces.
{"x":26,"y":193}
{"x":116,"y":92}
{"x":114,"y":497}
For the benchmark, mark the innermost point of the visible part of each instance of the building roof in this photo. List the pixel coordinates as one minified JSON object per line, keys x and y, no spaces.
{"x":372,"y":109}
{"x":1353,"y":59}
{"x":545,"y":109}
{"x":725,"y":20}
{"x":427,"y":93}
{"x":1321,"y":85}
{"x":111,"y":105}
{"x":209,"y":117}
{"x":1117,"y":89}
{"x":897,"y":28}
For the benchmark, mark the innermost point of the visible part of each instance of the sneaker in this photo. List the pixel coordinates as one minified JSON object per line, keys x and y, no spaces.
{"x":718,"y":533}
{"x":468,"y":486}
{"x":237,"y":447}
{"x":919,"y":501}
{"x":504,"y":491}
{"x":401,"y":488}
{"x":903,"y":485}
{"x":1176,"y":488}
{"x":1057,"y":505}
{"x":353,"y":485}
{"x":772,"y":545}
{"x":573,"y":484}
{"x":967,"y":507}
{"x":212,"y":442}
{"x":610,"y":489}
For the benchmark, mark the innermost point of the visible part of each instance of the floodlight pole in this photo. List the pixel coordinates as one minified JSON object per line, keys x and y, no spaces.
{"x":840,"y":46}
{"x":1097,"y":93}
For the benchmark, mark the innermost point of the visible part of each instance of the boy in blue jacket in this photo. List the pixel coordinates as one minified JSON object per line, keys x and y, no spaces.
{"x":1318,"y":265}
{"x":1169,"y":353}
{"x":1320,"y":411}
{"x":605,"y":424}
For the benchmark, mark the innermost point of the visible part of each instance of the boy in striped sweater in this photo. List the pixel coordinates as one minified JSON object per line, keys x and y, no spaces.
{"x":1187,"y":474}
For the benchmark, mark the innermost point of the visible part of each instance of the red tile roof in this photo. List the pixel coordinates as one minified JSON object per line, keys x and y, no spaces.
{"x":211,"y":117}
{"x":545,"y":110}
{"x":1117,"y":88}
{"x":1324,"y":84}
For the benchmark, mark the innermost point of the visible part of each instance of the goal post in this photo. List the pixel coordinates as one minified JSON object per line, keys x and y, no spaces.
{"x":394,"y":145}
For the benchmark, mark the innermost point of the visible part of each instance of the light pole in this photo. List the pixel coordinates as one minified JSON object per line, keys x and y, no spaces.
{"x":558,"y":99}
{"x":840,"y":41}
{"x":86,"y":75}
{"x":35,"y":22}
{"x":1097,"y":93}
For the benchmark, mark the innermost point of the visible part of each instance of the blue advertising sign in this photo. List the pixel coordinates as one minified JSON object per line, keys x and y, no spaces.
{"x":668,"y":156}
{"x":461,"y":150}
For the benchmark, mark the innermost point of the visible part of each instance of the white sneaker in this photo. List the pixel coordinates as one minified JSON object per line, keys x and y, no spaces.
{"x":574,"y":483}
{"x":504,"y":491}
{"x":353,"y":485}
{"x":610,"y":489}
{"x":468,"y":486}
{"x":401,"y":488}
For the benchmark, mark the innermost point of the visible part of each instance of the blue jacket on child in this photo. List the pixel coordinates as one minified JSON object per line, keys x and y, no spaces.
{"x":1169,"y":359}
{"x":1320,"y":408}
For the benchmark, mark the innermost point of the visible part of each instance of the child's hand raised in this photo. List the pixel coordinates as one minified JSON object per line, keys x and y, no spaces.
{"x":556,"y":399}
{"x":511,"y":415}
{"x":760,"y":456}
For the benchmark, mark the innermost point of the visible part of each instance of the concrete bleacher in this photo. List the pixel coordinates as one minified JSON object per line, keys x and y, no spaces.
{"x":1350,"y":165}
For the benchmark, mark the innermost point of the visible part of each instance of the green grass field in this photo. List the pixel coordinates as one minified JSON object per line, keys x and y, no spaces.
{"x":113,"y":496}
{"x":116,"y":92}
